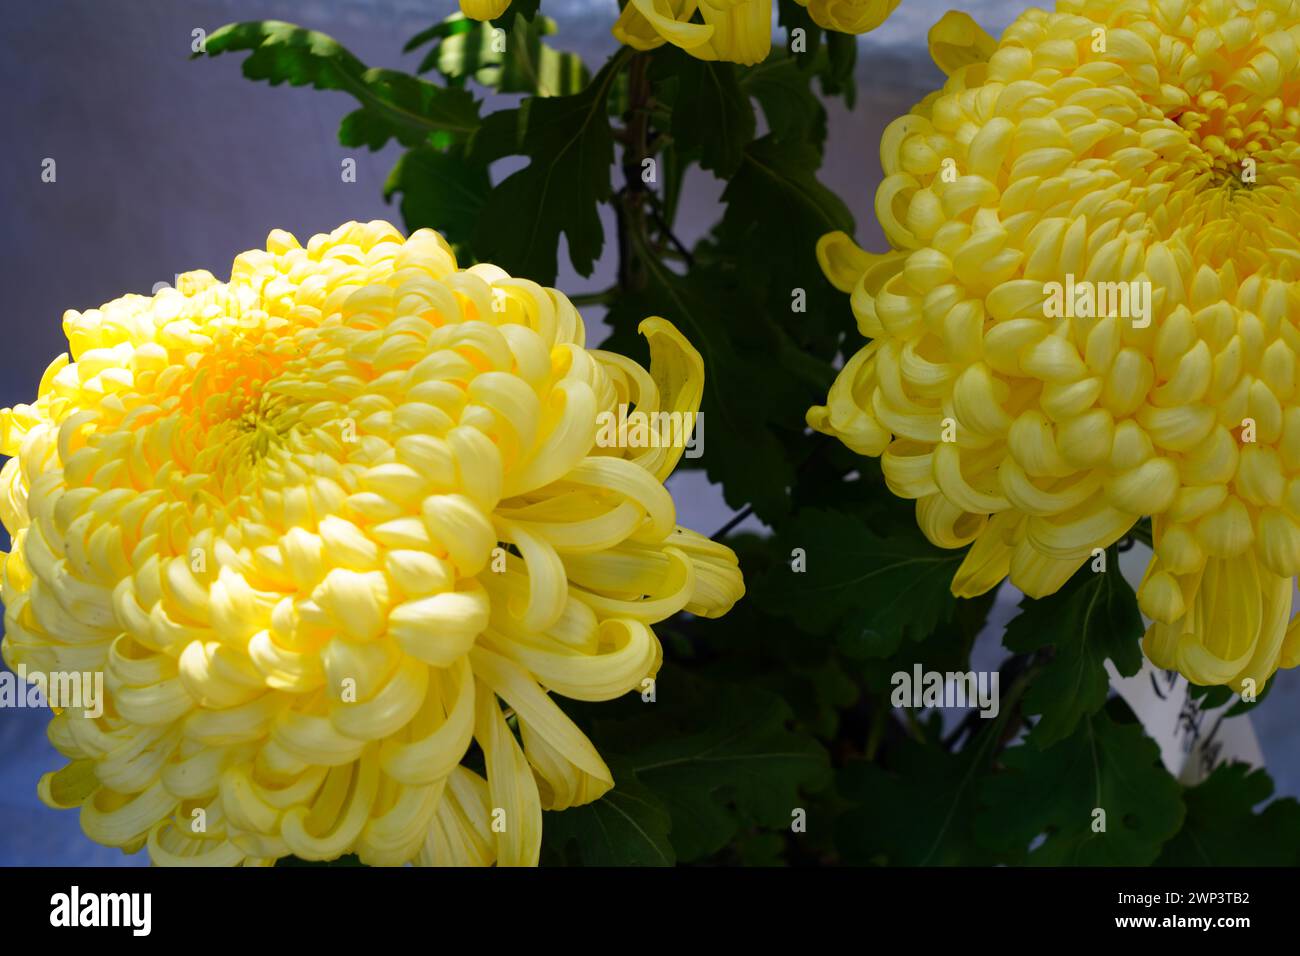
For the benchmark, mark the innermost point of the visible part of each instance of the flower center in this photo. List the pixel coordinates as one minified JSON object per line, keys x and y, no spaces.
{"x":1228,"y":133}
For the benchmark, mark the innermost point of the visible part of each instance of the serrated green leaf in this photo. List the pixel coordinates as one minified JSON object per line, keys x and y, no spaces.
{"x":628,"y":826}
{"x":841,"y":57}
{"x":440,"y":190}
{"x":791,"y":108}
{"x":919,"y":811}
{"x":776,"y":212}
{"x":776,"y":187}
{"x":1093,"y":617}
{"x":755,"y":649}
{"x":718,"y":756}
{"x":889,"y":588}
{"x":1053,"y":793}
{"x":496,"y":138}
{"x":571,"y":149}
{"x":1223,"y":829}
{"x":712,"y":118}
{"x":947,"y":648}
{"x":448,"y":27}
{"x":395,"y":105}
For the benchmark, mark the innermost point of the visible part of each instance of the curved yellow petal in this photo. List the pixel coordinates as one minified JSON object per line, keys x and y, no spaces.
{"x":956,"y":41}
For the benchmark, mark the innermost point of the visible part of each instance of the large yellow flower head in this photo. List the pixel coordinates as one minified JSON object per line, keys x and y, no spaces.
{"x":332,"y":531}
{"x":1034,"y":406}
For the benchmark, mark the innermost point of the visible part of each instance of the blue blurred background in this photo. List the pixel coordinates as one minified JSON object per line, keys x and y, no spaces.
{"x":165,"y":165}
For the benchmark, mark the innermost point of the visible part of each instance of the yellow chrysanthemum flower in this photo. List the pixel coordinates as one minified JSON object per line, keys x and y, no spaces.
{"x":483,"y":9}
{"x":316,"y":526}
{"x":739,"y":31}
{"x":736,"y":30}
{"x":849,"y":16}
{"x":1152,"y":143}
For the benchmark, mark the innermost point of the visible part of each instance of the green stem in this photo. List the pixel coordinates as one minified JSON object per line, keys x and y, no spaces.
{"x":629,"y":207}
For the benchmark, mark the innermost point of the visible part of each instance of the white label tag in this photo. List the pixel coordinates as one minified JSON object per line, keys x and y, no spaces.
{"x":1193,"y":740}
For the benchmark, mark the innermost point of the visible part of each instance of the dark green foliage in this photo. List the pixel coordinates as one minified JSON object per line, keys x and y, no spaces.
{"x":440,"y":189}
{"x":792,"y":110}
{"x":917,"y":813}
{"x":627,"y":827}
{"x":570,"y":146}
{"x":858,"y":583}
{"x":1092,"y":618}
{"x":1103,"y":766}
{"x":712,"y":117}
{"x":394,"y":104}
{"x":1223,"y":829}
{"x":468,"y":49}
{"x":713,"y":757}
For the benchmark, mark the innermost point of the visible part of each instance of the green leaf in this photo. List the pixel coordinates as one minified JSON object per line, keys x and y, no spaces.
{"x":1246,"y":706}
{"x":518,"y":9}
{"x":946,"y":648}
{"x":919,"y":811}
{"x":894,"y":587}
{"x":628,"y":826}
{"x":496,"y":138}
{"x":445,"y":28}
{"x":1210,"y":696}
{"x":394,"y":105}
{"x":755,"y":649}
{"x":571,"y":147}
{"x":711,"y":116}
{"x":718,"y":757}
{"x":841,"y":57}
{"x":1093,"y":617}
{"x":776,"y":188}
{"x":742,"y":398}
{"x":526,"y":65}
{"x":440,"y":190}
{"x":794,"y":16}
{"x":776,"y":212}
{"x":791,"y":108}
{"x":1223,"y":829}
{"x":1054,"y":792}
{"x":754,"y":417}
{"x":833,"y":61}
{"x":761,"y":849}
